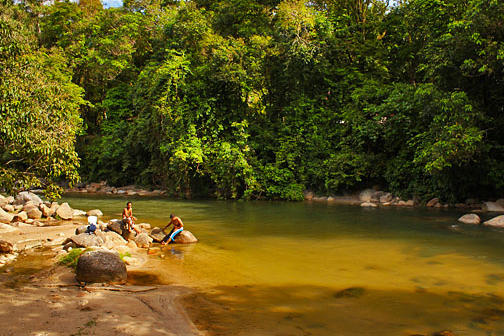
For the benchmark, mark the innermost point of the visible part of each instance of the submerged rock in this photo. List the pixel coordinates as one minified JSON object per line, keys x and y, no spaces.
{"x":352,"y":292}
{"x":101,"y":266}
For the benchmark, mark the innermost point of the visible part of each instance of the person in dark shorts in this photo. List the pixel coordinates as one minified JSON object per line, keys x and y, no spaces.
{"x":178,"y":227}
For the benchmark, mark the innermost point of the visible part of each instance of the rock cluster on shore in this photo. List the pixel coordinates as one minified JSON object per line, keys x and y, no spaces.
{"x":103,"y":188}
{"x":374,"y":198}
{"x":27,"y":209}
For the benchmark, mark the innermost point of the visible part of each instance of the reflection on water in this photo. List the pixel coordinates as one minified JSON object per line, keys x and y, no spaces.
{"x":278,"y":268}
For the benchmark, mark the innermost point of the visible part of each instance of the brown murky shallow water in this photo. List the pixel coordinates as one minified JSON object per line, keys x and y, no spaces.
{"x":278,"y":268}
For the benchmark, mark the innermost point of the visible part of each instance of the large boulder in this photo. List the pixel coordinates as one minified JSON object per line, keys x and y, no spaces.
{"x":157,"y":234}
{"x":26,"y":196}
{"x":492,"y":206}
{"x":34,"y":213}
{"x":143,"y":240}
{"x":5,"y":247}
{"x":185,"y":237}
{"x":101,"y":266}
{"x":5,"y":217}
{"x":116,"y":226}
{"x":127,"y":234}
{"x":85,"y":240}
{"x":64,"y":211}
{"x":496,"y":221}
{"x":470,"y":219}
{"x":95,"y":212}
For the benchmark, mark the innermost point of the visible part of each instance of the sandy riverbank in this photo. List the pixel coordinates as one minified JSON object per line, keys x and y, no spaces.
{"x":51,"y":303}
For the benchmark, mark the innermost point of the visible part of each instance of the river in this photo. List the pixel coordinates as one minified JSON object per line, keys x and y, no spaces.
{"x":280,"y":268}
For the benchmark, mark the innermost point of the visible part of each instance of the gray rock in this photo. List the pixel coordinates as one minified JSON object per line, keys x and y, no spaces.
{"x":26,"y":196}
{"x":95,"y":212}
{"x":5,"y":247}
{"x":101,"y":266}
{"x":320,"y":199}
{"x":157,"y":234}
{"x":470,"y":219}
{"x":496,"y":221}
{"x":64,"y":211}
{"x":5,"y":217}
{"x":34,"y":213}
{"x":492,"y":206}
{"x":366,"y":195}
{"x":185,"y":237}
{"x":20,"y":217}
{"x":500,"y":201}
{"x":86,"y":240}
{"x":433,"y":202}
{"x":143,"y":240}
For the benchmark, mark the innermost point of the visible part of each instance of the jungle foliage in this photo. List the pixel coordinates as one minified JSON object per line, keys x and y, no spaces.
{"x":256,"y":98}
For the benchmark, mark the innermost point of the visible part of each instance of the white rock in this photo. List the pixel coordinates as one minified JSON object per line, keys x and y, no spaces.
{"x":368,"y":204}
{"x":496,"y":221}
{"x":470,"y":219}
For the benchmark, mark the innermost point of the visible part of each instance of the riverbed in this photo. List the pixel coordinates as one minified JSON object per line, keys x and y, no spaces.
{"x":281,"y":268}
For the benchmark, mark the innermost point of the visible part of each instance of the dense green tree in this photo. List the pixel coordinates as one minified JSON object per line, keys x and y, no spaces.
{"x":39,"y":110}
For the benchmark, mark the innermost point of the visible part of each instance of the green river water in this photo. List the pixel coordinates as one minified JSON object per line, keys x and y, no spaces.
{"x":279,"y":268}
